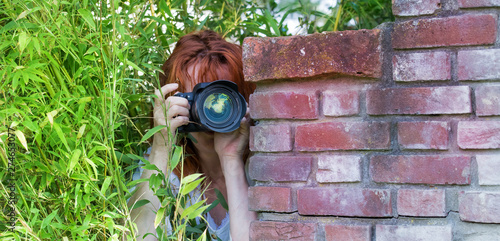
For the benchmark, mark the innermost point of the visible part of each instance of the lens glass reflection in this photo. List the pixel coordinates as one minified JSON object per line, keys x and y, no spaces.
{"x":217,"y":107}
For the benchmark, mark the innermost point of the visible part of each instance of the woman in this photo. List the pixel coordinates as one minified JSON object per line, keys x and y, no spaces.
{"x":201,"y":57}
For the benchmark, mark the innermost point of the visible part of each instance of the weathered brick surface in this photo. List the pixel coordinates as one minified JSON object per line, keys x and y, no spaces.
{"x":270,"y":138}
{"x":415,"y":7}
{"x":412,"y":233}
{"x":479,"y":134}
{"x":338,"y":169}
{"x":478,"y":3}
{"x":488,"y":169}
{"x":479,"y":207}
{"x":347,"y":232}
{"x":319,"y":54}
{"x":422,"y":66}
{"x":340,"y":103}
{"x":284,"y":105}
{"x":419,"y":100}
{"x":482,"y":64}
{"x":425,"y":169}
{"x":274,"y":199}
{"x":268,"y":230}
{"x":421,"y":203}
{"x":423,"y":135}
{"x":279,"y":168}
{"x":471,"y":29}
{"x":352,"y":202}
{"x":488,"y":100}
{"x":342,"y":136}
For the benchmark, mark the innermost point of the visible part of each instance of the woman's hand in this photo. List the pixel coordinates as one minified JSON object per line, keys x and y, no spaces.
{"x":177,"y":112}
{"x":232,"y":145}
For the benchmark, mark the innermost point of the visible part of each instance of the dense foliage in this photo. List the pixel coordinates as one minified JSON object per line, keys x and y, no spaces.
{"x":76,"y":78}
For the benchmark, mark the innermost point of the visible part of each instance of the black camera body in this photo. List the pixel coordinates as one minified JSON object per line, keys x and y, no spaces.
{"x":215,"y":106}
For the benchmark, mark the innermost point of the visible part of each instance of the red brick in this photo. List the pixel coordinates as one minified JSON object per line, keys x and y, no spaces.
{"x":481,"y":207}
{"x":478,"y":3}
{"x":488,"y":100}
{"x":421,"y":203}
{"x":344,"y":103}
{"x":338,"y":169}
{"x":268,"y":230}
{"x":473,"y":29}
{"x":342,"y":136}
{"x":355,"y":53}
{"x":284,"y":105}
{"x":422,"y":66}
{"x":419,"y":100}
{"x":488,"y":169}
{"x":274,"y":199}
{"x":482,"y":64}
{"x":423,"y":135}
{"x":280,"y":168}
{"x":415,"y":8}
{"x":479,"y":134}
{"x":425,"y":169}
{"x":270,"y":138}
{"x":353,"y":202}
{"x":347,"y":232}
{"x":412,"y":233}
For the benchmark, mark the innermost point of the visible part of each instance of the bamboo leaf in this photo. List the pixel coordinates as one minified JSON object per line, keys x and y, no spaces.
{"x":24,"y":40}
{"x":22,"y":139}
{"x":221,"y":199}
{"x":159,"y":216}
{"x":74,"y":160}
{"x":190,"y":178}
{"x":105,"y":185}
{"x":190,"y":186}
{"x":176,"y":157}
{"x":81,"y":131}
{"x":140,"y":203}
{"x":50,"y":116}
{"x":134,"y":66}
{"x":151,"y":132}
{"x":87,"y":16}
{"x":48,"y":219}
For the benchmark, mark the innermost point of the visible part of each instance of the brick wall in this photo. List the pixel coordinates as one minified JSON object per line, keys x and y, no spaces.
{"x":384,"y":134}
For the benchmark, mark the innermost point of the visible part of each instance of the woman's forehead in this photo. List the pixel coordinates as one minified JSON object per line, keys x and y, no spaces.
{"x":194,"y":71}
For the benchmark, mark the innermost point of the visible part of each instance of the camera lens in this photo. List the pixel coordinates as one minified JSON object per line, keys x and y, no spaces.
{"x":218,"y":107}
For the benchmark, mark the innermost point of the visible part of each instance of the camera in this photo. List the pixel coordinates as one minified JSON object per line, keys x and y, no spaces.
{"x":215,"y":106}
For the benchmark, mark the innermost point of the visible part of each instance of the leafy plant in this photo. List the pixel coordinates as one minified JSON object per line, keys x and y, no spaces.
{"x":76,"y":83}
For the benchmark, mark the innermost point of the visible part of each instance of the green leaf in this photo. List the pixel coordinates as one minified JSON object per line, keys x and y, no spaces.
{"x":151,"y":132}
{"x":189,"y":210}
{"x":159,"y":216}
{"x":190,"y":178}
{"x":221,"y":199}
{"x":190,"y":186}
{"x":176,"y":157}
{"x":23,"y":41}
{"x":74,"y":160}
{"x":140,"y":203}
{"x":271,"y":21}
{"x":134,"y":66}
{"x":61,"y":136}
{"x":49,"y":218}
{"x":87,"y":16}
{"x":105,"y":185}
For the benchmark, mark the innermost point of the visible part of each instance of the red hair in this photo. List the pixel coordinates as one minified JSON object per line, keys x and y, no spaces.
{"x":212,"y":53}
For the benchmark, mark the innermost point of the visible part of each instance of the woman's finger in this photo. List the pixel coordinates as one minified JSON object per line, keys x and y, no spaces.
{"x":176,"y":100}
{"x":177,"y":110}
{"x":178,"y":121}
{"x":164,"y":91}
